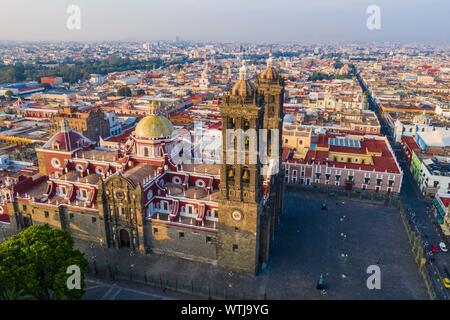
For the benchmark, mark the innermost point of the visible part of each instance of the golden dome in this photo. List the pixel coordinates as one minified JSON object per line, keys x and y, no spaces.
{"x":243,"y":87}
{"x":154,"y":127}
{"x":270,"y":73}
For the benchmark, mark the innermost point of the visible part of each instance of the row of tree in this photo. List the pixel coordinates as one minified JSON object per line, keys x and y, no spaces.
{"x":72,"y":71}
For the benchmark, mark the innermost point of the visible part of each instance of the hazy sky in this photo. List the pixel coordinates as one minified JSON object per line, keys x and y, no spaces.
{"x":425,"y":21}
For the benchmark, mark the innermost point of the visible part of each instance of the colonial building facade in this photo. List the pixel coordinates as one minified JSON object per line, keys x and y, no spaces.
{"x":136,"y":196}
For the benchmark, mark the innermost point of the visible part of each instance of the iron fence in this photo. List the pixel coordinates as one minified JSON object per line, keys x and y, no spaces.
{"x":206,"y":290}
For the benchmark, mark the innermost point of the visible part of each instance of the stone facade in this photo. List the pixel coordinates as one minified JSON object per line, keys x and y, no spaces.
{"x":137,"y":198}
{"x":93,"y":124}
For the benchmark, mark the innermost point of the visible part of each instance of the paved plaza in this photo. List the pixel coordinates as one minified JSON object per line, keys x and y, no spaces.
{"x":309,"y":242}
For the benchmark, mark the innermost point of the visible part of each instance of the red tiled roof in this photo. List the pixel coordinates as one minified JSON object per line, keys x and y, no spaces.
{"x":384,"y":162}
{"x":445,"y":199}
{"x":411,"y":143}
{"x":67,"y":140}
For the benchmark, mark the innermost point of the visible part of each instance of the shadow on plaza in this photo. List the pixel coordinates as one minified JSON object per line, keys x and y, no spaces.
{"x":307,"y":243}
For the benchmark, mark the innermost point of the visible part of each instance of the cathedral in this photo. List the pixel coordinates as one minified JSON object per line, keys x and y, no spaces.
{"x":135,"y":196}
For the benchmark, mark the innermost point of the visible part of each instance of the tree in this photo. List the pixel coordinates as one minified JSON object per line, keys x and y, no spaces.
{"x":124,"y":92}
{"x":9,"y":94}
{"x":338,"y":64}
{"x":34,"y":263}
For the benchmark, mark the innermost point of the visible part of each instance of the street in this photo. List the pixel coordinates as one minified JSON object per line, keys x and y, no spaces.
{"x":419,"y":211}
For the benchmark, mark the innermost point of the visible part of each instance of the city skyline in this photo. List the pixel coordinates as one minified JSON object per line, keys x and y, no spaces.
{"x":250,"y":21}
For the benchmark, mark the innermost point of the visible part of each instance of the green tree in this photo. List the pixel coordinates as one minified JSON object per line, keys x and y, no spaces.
{"x":9,"y":94}
{"x":338,"y":64}
{"x":140,"y":92}
{"x":34,"y":263}
{"x":124,"y":92}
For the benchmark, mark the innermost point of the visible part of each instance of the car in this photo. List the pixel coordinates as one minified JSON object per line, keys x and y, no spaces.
{"x":446,"y":282}
{"x":443,"y":247}
{"x":434,"y":248}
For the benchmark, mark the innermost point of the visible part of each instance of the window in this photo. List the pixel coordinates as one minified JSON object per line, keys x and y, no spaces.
{"x":146,"y":154}
{"x":71,"y":216}
{"x":235,"y":248}
{"x":24,"y":207}
{"x":236,"y":229}
{"x":181,"y":235}
{"x":82,"y":193}
{"x":200,"y":183}
{"x":366,"y":180}
{"x":56,"y":163}
{"x":208,"y":239}
{"x":62,"y":190}
{"x":94,"y":219}
{"x":155,"y":230}
{"x":46,"y":214}
{"x":176,"y":180}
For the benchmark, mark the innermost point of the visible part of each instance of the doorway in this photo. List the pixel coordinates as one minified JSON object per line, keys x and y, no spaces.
{"x":124,"y":238}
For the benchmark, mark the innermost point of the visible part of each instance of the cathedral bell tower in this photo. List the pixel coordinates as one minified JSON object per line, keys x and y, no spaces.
{"x":241,"y":193}
{"x":270,"y":85}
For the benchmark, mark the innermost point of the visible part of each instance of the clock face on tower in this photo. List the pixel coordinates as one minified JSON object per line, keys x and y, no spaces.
{"x":237,"y":215}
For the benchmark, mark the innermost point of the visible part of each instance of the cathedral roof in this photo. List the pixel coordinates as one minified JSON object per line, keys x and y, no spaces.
{"x":154,"y":126}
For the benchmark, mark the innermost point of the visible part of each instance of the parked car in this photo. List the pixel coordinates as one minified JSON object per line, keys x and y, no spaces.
{"x":434,"y":248}
{"x":443,"y":247}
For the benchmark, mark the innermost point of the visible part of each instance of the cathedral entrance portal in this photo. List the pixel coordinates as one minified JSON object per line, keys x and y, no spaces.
{"x":124,"y":237}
